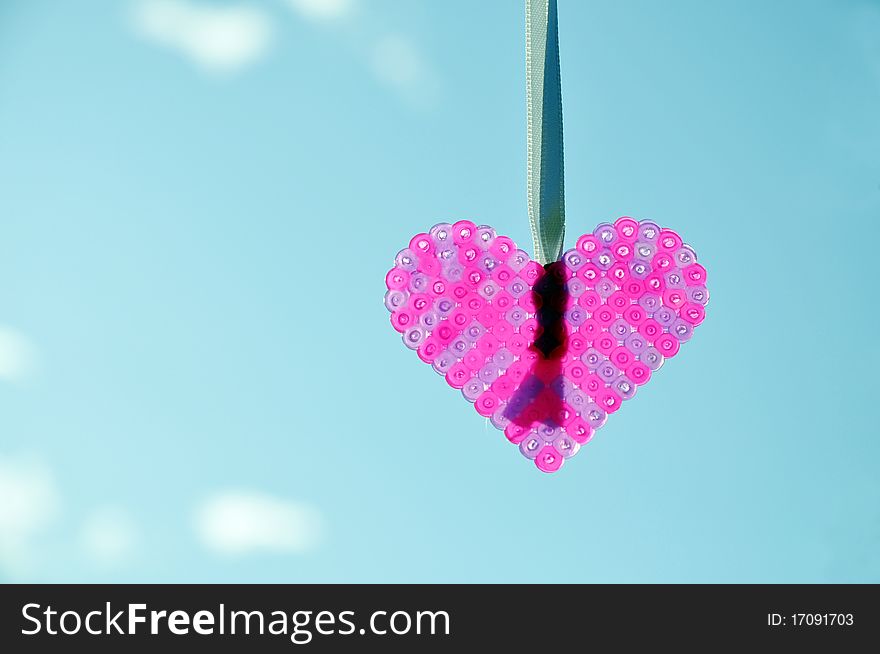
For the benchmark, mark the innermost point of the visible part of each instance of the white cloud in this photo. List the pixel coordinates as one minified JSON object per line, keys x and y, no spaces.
{"x":109,"y":536}
{"x":17,"y":355}
{"x":217,"y":38}
{"x":29,"y":502}
{"x":323,"y":9}
{"x":396,"y":61}
{"x":242,"y":522}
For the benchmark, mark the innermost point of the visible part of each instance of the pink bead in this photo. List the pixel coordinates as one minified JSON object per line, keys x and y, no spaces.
{"x":590,"y":300}
{"x":638,"y":372}
{"x":518,"y":370}
{"x":527,"y":302}
{"x":488,"y":345}
{"x":460,"y":291}
{"x":474,"y":359}
{"x":650,"y":329}
{"x":463,"y":232}
{"x":635,"y":315}
{"x":590,"y":329}
{"x":669,"y":240}
{"x":548,"y":459}
{"x":532,"y":272}
{"x":503,"y":274}
{"x":609,"y":400}
{"x":488,"y":317}
{"x":402,"y":319}
{"x":473,"y":277}
{"x":438,"y":289}
{"x":445,"y":333}
{"x":397,"y":279}
{"x":579,"y":430}
{"x":623,"y":250}
{"x":588,"y":245}
{"x":655,"y":283}
{"x":662,"y":262}
{"x":619,"y":273}
{"x":473,"y":304}
{"x":618,"y":301}
{"x":503,"y":387}
{"x":503,"y":301}
{"x":529,"y":329}
{"x":460,"y":319}
{"x":422,"y":244}
{"x":467,"y":255}
{"x":605,"y":316}
{"x":576,"y":371}
{"x":621,"y":357}
{"x":429,"y":350}
{"x":486,"y":404}
{"x":502,"y":330}
{"x":502,"y":247}
{"x":695,"y":275}
{"x":420,"y":302}
{"x":590,"y":273}
{"x":593,"y":385}
{"x":458,"y":375}
{"x":626,"y":228}
{"x":693,"y":313}
{"x":577,"y":344}
{"x":517,"y":343}
{"x":668,"y":345}
{"x":516,"y":433}
{"x":429,"y":265}
{"x":605,"y":343}
{"x":674,"y":298}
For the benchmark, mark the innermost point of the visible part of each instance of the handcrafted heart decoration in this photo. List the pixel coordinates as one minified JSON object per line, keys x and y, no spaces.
{"x":546,"y":353}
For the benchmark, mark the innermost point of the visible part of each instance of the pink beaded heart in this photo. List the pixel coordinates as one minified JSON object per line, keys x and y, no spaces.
{"x":546,"y":353}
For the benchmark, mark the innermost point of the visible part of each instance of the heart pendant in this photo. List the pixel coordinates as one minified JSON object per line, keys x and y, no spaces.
{"x":547,"y":353}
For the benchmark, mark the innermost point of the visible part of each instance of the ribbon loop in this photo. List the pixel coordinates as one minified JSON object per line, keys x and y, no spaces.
{"x":546,"y":185}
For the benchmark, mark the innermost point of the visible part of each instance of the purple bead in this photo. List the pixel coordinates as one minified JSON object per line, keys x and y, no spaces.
{"x":562,"y":386}
{"x":460,"y":346}
{"x":503,"y":358}
{"x":594,"y":415}
{"x":516,"y":316}
{"x":620,"y":329}
{"x":605,"y":287}
{"x":592,"y":358}
{"x":682,"y":330}
{"x":574,"y":259}
{"x":575,"y":287}
{"x":548,"y":432}
{"x":499,"y":419}
{"x":429,"y":320}
{"x":639,"y":269}
{"x":518,"y":260}
{"x":650,"y":303}
{"x":489,"y":290}
{"x":472,"y":390}
{"x":648,"y":231}
{"x":624,"y":387}
{"x":685,"y":256}
{"x":607,"y":371}
{"x":675,"y":279}
{"x":418,"y":282}
{"x":406,"y":260}
{"x":576,"y":316}
{"x":444,"y":306}
{"x":577,"y":399}
{"x":444,"y":361}
{"x":517,"y":288}
{"x":665,"y":316}
{"x":489,"y":372}
{"x":645,"y":251}
{"x":566,"y":446}
{"x":605,"y":233}
{"x":454,"y":272}
{"x":531,"y":445}
{"x":698,"y":295}
{"x":413,"y":337}
{"x":635,"y":343}
{"x":485,"y":236}
{"x":473,"y":332}
{"x":395,"y":299}
{"x":604,"y":259}
{"x":442,"y":233}
{"x":652,"y":358}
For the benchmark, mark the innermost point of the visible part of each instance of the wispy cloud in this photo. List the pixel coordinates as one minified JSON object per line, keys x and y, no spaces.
{"x":243,"y":522}
{"x":109,"y":536}
{"x":29,"y":502}
{"x":17,"y":355}
{"x":396,"y":61}
{"x":219,"y":39}
{"x":323,"y":9}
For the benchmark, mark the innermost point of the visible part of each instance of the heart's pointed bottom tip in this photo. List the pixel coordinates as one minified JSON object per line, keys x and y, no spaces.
{"x":547,"y":354}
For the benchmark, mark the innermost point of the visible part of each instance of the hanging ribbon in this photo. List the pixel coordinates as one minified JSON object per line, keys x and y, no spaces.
{"x":546,"y":185}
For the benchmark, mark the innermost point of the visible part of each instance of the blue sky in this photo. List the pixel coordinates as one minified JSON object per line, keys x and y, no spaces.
{"x":198,"y":204}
